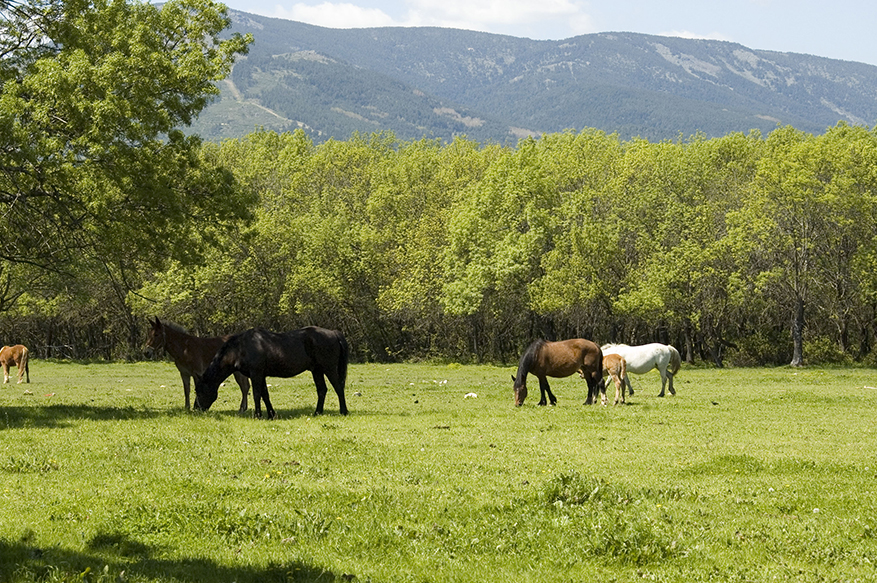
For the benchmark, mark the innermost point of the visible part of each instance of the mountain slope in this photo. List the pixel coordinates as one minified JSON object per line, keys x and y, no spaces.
{"x":443,"y":82}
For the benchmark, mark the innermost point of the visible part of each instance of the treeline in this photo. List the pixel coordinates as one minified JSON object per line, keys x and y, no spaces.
{"x":743,"y":250}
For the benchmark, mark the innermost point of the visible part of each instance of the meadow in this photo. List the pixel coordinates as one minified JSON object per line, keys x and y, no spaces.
{"x":745,"y":475}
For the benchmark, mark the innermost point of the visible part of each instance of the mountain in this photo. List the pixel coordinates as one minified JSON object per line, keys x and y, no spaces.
{"x":438,"y":82}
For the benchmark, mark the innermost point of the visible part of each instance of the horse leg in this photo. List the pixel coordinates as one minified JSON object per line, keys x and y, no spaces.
{"x":20,"y":373}
{"x":663,"y":382}
{"x":260,"y":393}
{"x":594,"y":389}
{"x":322,"y":389}
{"x":619,"y":389}
{"x":339,"y":390}
{"x":5,"y":373}
{"x":544,"y":389}
{"x":244,"y":384}
{"x":670,"y":387}
{"x":186,"y":379}
{"x":626,"y":382}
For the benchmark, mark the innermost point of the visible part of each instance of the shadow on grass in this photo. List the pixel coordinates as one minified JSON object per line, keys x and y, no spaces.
{"x":52,"y":416}
{"x":116,"y":556}
{"x":58,"y":416}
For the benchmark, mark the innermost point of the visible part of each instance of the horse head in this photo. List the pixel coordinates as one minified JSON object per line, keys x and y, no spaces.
{"x":520,"y":389}
{"x":154,"y":338}
{"x":205,"y":394}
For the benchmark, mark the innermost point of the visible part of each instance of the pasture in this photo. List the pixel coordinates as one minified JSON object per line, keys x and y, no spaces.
{"x":745,"y":475}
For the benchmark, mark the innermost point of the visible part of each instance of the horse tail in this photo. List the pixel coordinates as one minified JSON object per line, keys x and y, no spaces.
{"x":675,"y":360}
{"x":601,"y":382}
{"x":23,"y":363}
{"x":343,"y":358}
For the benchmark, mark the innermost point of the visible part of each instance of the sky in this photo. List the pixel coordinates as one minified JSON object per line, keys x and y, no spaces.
{"x":842,"y":29}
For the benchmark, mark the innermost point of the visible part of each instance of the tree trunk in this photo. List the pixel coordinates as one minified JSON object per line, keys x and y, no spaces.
{"x":689,"y":344}
{"x":798,"y":334}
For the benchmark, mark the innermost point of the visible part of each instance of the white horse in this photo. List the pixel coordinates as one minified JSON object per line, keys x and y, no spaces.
{"x":642,"y":359}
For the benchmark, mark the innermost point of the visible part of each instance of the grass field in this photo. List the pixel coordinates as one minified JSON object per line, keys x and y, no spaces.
{"x":745,"y":475}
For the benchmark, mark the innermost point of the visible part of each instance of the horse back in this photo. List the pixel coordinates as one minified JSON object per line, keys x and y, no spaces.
{"x":566,"y":357}
{"x":641,"y":359}
{"x":14,"y":355}
{"x":614,"y":365}
{"x":287,"y":354}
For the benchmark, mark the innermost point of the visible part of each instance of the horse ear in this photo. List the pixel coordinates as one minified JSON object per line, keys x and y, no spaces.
{"x":514,"y":380}
{"x":157,"y":322}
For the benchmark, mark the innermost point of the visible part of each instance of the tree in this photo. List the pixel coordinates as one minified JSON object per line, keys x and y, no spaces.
{"x":93,"y":166}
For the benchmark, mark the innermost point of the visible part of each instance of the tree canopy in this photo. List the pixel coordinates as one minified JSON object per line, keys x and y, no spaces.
{"x":92,"y":160}
{"x":755,"y":248}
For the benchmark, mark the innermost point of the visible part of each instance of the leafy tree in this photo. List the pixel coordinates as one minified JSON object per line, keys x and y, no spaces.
{"x":97,"y":182}
{"x":92,"y":165}
{"x":580,"y":274}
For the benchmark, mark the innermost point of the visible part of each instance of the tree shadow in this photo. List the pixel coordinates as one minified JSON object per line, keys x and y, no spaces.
{"x":117,"y":556}
{"x":58,"y":416}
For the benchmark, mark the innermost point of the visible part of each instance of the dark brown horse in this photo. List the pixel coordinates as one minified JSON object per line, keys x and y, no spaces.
{"x":191,"y":354}
{"x":560,"y":359}
{"x":14,"y":356}
{"x":260,"y":353}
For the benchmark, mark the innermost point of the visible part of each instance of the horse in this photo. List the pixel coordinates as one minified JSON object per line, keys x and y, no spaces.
{"x":260,"y":353}
{"x":560,"y":359}
{"x":191,"y":354}
{"x":615,"y":366}
{"x":14,"y":356}
{"x":642,"y":359}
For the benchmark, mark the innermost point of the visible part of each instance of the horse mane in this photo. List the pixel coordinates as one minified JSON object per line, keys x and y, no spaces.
{"x":174,"y":326}
{"x":605,"y":346}
{"x":527,"y":361}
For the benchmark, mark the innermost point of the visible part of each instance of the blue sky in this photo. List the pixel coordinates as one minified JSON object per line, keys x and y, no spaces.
{"x":843,"y":29}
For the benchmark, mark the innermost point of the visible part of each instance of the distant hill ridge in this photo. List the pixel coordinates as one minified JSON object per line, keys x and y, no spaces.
{"x":438,"y":82}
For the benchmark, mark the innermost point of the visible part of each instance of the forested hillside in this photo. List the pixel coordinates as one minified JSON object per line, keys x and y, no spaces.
{"x":442,"y":83}
{"x":726,"y":247}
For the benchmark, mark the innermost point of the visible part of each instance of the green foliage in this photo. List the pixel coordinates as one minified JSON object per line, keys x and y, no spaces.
{"x":423,"y":249}
{"x":98,"y":183}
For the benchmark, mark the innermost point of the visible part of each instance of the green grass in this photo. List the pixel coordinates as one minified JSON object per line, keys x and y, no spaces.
{"x":745,"y":475}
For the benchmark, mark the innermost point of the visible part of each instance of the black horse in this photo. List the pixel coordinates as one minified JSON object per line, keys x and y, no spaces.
{"x":259,"y":353}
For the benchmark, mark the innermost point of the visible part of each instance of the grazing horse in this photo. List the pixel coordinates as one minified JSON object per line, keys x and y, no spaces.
{"x":260,"y":353}
{"x":191,"y":354}
{"x":560,"y":359}
{"x":14,"y":356}
{"x":642,"y":359}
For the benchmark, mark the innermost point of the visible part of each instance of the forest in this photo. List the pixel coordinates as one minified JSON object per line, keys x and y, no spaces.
{"x":742,"y":250}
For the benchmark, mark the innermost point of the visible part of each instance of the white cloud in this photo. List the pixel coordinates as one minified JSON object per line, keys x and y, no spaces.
{"x":499,"y":16}
{"x":343,"y":15}
{"x":695,"y":35}
{"x":492,"y":12}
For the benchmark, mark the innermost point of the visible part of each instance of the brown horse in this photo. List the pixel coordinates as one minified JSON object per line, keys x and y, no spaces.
{"x":615,"y":366}
{"x":261,"y":353}
{"x":14,"y":356}
{"x":191,"y":354}
{"x":560,"y":359}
